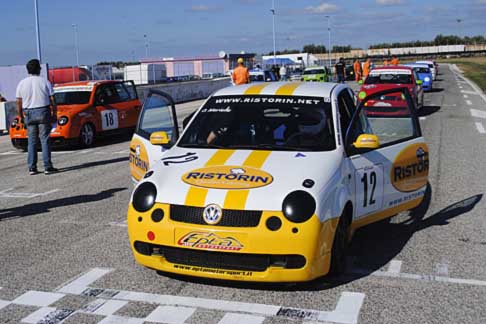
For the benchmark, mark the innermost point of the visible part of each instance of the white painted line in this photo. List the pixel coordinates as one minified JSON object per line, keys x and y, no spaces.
{"x":472,"y":282}
{"x":38,"y":315}
{"x":469,"y":92}
{"x":119,"y":223}
{"x":37,"y":298}
{"x":460,"y":87}
{"x":113,"y":319}
{"x":103,"y":307}
{"x":423,"y":118}
{"x":12,"y":153}
{"x":478,"y":113}
{"x":170,"y":314}
{"x":4,"y":303}
{"x":442,"y":269}
{"x":465,"y":96}
{"x":232,"y":318}
{"x":395,"y":266}
{"x":222,"y":305}
{"x":9,"y":194}
{"x":347,"y":310}
{"x":480,"y":128}
{"x":77,"y":286}
{"x":469,"y":102}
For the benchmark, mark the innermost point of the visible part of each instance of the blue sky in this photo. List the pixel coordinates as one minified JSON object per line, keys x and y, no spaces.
{"x":115,"y":29}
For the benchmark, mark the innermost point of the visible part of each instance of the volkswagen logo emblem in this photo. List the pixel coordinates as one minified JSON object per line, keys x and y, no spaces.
{"x":212,"y":214}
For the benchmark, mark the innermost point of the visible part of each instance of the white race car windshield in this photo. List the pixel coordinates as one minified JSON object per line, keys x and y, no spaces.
{"x":263,"y":122}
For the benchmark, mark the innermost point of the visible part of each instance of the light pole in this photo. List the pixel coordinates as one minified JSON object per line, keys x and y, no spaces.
{"x":76,"y":46}
{"x":273,"y":24}
{"x":329,"y":44}
{"x":37,"y":31}
{"x":146,"y":45}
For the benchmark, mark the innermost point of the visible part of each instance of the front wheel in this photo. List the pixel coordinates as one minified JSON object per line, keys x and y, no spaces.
{"x":86,"y":135}
{"x":340,"y":246}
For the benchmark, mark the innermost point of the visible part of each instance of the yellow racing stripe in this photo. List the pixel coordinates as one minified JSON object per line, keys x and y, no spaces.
{"x":196,"y":196}
{"x":287,"y":89}
{"x":236,"y":199}
{"x":255,"y":89}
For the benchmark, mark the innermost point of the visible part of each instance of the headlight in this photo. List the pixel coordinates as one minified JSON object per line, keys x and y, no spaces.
{"x":63,"y":120}
{"x":298,"y":206}
{"x":144,"y":197}
{"x":426,"y":79}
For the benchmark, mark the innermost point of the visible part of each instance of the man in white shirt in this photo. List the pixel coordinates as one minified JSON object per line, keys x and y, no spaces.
{"x":35,"y":97}
{"x":283,"y":73}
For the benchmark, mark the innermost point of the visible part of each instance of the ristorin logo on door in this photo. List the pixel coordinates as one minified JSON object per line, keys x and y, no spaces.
{"x":410,"y":169}
{"x":228,"y":177}
{"x":138,"y":159}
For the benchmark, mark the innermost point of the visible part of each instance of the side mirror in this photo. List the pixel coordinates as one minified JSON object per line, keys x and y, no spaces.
{"x":360,"y":82}
{"x":419,"y":82}
{"x":159,"y":138}
{"x":367,"y":141}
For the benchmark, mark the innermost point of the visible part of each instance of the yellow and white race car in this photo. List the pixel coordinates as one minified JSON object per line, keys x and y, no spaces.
{"x":268,"y":182}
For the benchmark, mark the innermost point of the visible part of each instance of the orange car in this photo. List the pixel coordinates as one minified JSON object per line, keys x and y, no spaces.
{"x":86,"y":109}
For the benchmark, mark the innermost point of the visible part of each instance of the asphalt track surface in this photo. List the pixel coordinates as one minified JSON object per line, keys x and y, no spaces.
{"x":63,"y":235}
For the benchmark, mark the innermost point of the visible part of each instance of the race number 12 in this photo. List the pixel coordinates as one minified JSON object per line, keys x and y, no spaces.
{"x":369,"y":189}
{"x":109,"y":119}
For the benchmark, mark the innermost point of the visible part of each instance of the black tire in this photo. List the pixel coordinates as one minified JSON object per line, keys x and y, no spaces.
{"x":87,"y":135}
{"x":340,"y":246}
{"x":19,"y":147}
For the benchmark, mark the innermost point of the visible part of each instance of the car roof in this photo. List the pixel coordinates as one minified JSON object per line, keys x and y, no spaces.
{"x":306,"y":89}
{"x":393,"y":67}
{"x":423,"y":65}
{"x":85,"y":83}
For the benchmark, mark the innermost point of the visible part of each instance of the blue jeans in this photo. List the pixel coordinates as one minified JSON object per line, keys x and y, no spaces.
{"x":38,"y":126}
{"x":340,"y":78}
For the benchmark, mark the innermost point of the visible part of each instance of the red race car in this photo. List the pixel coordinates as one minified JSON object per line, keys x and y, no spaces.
{"x":389,"y":77}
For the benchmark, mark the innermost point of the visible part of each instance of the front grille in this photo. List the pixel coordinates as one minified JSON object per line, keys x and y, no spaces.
{"x":231,"y":217}
{"x":221,"y":260}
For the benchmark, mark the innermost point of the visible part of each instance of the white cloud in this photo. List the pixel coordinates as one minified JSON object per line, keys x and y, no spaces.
{"x":482,"y":1}
{"x":388,"y":2}
{"x":322,"y":8}
{"x":200,"y":8}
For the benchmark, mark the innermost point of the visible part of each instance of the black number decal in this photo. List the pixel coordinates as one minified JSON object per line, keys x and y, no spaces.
{"x":364,"y":180}
{"x":112,"y":122}
{"x":107,"y":120}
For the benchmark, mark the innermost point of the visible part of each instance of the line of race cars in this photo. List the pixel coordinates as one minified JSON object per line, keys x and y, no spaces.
{"x":266,"y":181}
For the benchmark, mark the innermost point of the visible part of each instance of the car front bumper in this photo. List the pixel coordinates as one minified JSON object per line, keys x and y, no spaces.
{"x":293,"y":253}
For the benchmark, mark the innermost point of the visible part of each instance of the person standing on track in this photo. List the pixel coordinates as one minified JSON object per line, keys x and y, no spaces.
{"x":283,"y":73}
{"x":340,"y":69}
{"x":35,"y":101}
{"x":395,"y":61}
{"x":386,"y":61}
{"x":240,"y":74}
{"x":366,"y":68}
{"x":357,"y":70}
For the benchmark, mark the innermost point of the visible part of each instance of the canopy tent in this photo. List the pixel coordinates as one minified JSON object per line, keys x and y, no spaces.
{"x":279,"y":61}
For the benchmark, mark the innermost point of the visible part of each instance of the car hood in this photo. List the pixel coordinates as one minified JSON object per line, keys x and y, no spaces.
{"x":374,"y":88}
{"x":70,"y":109}
{"x":257,"y":180}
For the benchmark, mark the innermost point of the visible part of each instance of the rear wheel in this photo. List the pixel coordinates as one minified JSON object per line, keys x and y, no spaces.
{"x":86,"y":135}
{"x":340,"y":246}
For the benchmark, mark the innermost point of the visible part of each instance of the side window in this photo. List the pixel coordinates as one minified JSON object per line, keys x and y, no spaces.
{"x":346,"y":110}
{"x":131,"y":90}
{"x":390,"y":116}
{"x":121,"y":92}
{"x":157,"y":116}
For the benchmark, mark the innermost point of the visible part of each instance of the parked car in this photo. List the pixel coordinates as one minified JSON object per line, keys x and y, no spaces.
{"x":390,"y":77}
{"x":87,"y":110}
{"x":423,"y":72}
{"x":431,"y":65}
{"x":258,"y":75}
{"x":316,"y":74}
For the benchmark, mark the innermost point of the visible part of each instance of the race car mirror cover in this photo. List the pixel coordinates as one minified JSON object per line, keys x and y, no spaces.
{"x":298,"y":206}
{"x":144,"y":197}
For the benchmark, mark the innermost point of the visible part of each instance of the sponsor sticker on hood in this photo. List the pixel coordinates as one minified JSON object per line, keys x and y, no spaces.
{"x":228,"y":177}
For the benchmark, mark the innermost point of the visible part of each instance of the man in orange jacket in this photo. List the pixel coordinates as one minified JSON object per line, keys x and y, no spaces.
{"x":357,"y":70}
{"x":240,"y":74}
{"x":386,"y":61}
{"x":395,"y":61}
{"x":366,"y":67}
